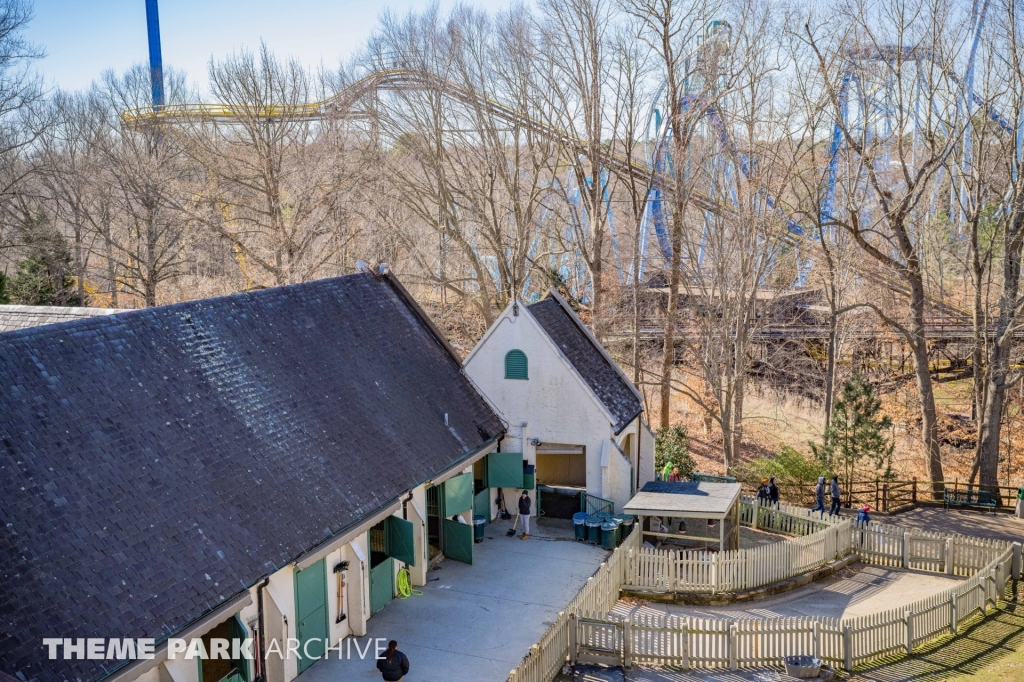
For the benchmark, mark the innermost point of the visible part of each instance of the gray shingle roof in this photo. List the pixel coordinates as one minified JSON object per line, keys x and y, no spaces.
{"x":577,"y":345}
{"x":13,"y":317}
{"x":157,"y":462}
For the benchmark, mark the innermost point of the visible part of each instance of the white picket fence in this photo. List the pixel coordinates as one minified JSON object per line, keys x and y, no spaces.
{"x":668,"y":570}
{"x":589,"y":627}
{"x":687,"y":642}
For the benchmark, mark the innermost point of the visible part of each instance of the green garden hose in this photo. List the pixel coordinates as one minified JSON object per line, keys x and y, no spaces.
{"x":405,"y":587}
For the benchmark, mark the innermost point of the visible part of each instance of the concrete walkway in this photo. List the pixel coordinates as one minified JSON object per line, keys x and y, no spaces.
{"x":476,"y":623}
{"x":851,"y":592}
{"x":980,"y":524}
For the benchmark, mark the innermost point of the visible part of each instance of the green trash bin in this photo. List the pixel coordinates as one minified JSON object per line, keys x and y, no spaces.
{"x":1020,"y":493}
{"x":608,"y":534}
{"x":593,"y":530}
{"x":627,"y":526}
{"x":579,"y":524}
{"x":479,"y":523}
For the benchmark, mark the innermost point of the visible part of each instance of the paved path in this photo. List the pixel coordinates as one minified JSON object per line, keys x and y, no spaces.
{"x":852,"y":592}
{"x":977,"y":523}
{"x":476,"y":623}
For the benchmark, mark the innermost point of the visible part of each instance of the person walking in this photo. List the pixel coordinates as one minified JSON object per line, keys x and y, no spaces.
{"x":834,"y":492}
{"x":773,"y":493}
{"x":395,"y":665}
{"x":524,"y":514}
{"x":819,"y":497}
{"x":763,"y":496}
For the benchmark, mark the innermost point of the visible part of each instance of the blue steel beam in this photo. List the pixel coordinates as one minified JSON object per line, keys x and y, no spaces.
{"x":156,"y":65}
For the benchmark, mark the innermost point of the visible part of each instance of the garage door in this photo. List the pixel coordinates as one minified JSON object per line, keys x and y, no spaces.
{"x":568,"y":468}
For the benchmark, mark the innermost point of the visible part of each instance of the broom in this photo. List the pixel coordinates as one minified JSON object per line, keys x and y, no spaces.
{"x":512,"y":531}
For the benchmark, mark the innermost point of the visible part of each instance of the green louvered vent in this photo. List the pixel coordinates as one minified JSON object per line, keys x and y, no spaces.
{"x":515,"y":365}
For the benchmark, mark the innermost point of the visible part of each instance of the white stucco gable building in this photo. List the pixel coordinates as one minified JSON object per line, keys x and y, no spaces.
{"x":570,"y":409}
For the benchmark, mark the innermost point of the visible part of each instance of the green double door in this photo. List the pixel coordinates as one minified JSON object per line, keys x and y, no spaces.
{"x":457,"y":498}
{"x":390,"y":540}
{"x":311,"y":613}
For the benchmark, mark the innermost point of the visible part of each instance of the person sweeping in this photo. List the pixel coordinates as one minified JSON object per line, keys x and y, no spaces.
{"x":524,"y":514}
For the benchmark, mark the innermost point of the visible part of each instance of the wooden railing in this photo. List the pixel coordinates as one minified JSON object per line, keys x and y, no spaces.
{"x":882,"y":495}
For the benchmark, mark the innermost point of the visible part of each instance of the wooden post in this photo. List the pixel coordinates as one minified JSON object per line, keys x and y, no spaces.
{"x":1016,"y":561}
{"x":906,"y":550}
{"x":885,"y":497}
{"x":913,"y":493}
{"x":757,"y":512}
{"x":949,"y":556}
{"x":627,"y":638}
{"x":847,"y":648}
{"x":714,"y":573}
{"x":995,"y":588}
{"x":908,"y":618}
{"x":952,"y":614}
{"x":686,"y":648}
{"x":817,"y":639}
{"x":572,"y":638}
{"x":732,"y":647}
{"x":876,"y":493}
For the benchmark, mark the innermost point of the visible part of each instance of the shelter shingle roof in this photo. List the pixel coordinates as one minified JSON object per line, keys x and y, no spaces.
{"x":157,"y":462}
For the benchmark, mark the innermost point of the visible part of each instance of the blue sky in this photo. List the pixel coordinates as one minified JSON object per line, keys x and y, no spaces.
{"x":82,"y":38}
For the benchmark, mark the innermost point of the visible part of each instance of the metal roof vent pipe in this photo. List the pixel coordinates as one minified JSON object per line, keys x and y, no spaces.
{"x":384,"y":269}
{"x":361,"y":266}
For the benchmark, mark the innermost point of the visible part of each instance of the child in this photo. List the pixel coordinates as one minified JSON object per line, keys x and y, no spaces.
{"x":862,"y":515}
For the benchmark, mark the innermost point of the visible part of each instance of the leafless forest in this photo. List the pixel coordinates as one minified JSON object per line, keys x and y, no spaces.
{"x":748,"y":201}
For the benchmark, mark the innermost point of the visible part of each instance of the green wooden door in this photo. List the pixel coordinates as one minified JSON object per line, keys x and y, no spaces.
{"x":482,"y":504}
{"x":458,"y":541}
{"x":505,"y":470}
{"x":311,"y":612}
{"x":458,"y":495}
{"x":382,"y":584}
{"x":399,"y":540}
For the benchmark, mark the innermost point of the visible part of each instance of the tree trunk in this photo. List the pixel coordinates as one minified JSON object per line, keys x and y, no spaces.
{"x":929,"y":417}
{"x":830,"y":365}
{"x":669,"y":348}
{"x":998,"y":371}
{"x":737,"y":417}
{"x":108,"y":249}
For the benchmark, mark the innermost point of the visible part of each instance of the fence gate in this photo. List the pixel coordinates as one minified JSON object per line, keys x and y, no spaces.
{"x":598,"y":640}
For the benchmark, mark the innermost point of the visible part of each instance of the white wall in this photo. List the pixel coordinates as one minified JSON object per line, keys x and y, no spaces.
{"x":555,"y":403}
{"x":646,"y":454}
{"x":619,"y":472}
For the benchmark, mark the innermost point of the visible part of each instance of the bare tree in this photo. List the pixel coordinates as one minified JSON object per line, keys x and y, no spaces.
{"x":892,"y":173}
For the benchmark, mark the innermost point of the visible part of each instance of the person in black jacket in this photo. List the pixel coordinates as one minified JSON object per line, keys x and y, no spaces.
{"x":524,"y":514}
{"x":834,"y":494}
{"x":395,"y":665}
{"x":773,"y":492}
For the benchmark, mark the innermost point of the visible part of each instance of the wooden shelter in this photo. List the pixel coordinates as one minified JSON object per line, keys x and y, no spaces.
{"x":718,"y":502}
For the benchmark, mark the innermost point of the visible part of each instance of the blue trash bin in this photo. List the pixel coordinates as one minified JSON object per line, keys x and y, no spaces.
{"x":579,"y":524}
